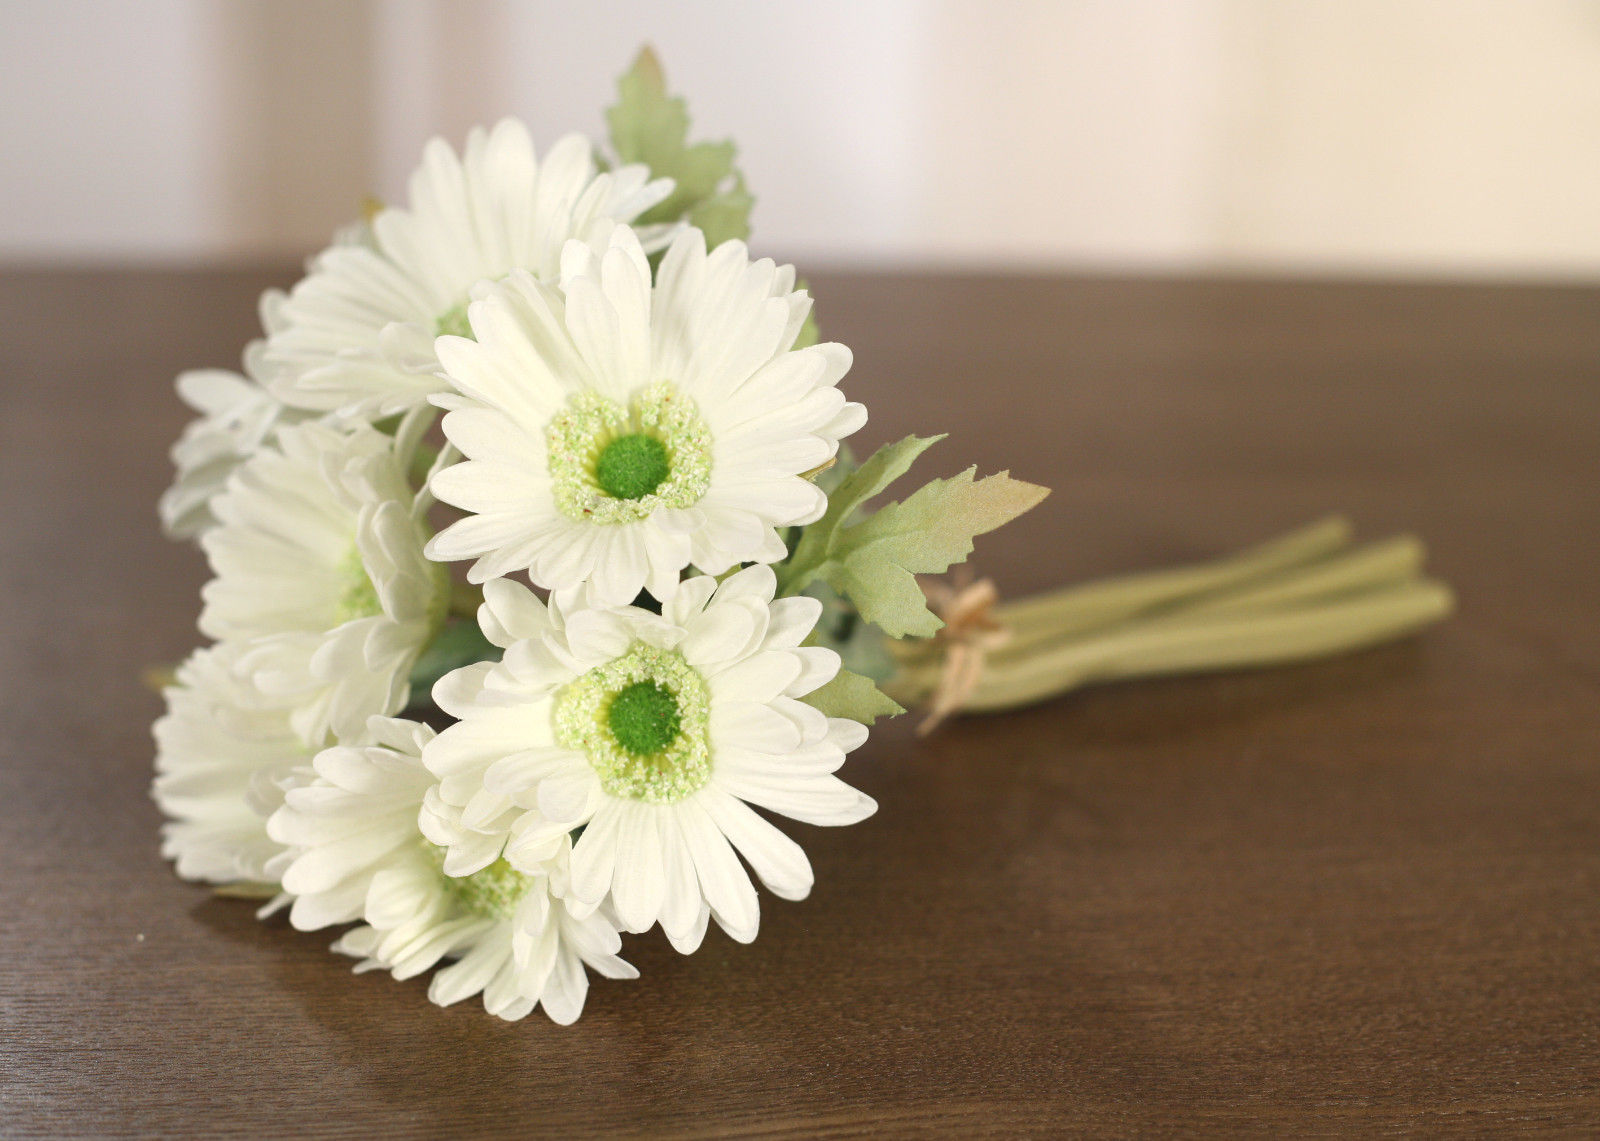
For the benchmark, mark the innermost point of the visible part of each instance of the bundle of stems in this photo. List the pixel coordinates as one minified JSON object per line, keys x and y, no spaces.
{"x":1309,"y":594}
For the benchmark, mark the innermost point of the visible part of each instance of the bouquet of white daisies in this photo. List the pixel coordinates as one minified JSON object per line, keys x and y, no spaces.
{"x":489,"y":687}
{"x":540,"y":563}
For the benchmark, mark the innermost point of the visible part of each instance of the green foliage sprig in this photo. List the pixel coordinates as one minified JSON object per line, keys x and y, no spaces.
{"x":651,"y":127}
{"x":874,"y":562}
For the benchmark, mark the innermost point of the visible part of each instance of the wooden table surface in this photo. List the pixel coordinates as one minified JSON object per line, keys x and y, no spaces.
{"x":1351,"y":897}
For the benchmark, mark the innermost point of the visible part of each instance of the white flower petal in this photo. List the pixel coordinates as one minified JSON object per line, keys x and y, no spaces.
{"x":594,"y":856}
{"x":727,"y":890}
{"x":754,"y":725}
{"x":570,"y":797}
{"x":638,"y":885}
{"x":761,"y":677}
{"x":778,"y":860}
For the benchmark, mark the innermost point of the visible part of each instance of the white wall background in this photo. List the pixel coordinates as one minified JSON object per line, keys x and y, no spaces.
{"x":1441,"y":137}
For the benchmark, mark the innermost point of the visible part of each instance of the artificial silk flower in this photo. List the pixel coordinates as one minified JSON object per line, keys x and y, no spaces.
{"x":358,"y":331}
{"x":353,"y":854}
{"x":618,"y":429}
{"x":223,"y":753}
{"x":320,"y":575}
{"x":615,"y":422}
{"x":237,"y":416}
{"x":654,"y":734}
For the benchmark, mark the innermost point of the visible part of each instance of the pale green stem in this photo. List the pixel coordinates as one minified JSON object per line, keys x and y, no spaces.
{"x":465,"y":599}
{"x":1385,"y":563}
{"x":436,"y":462}
{"x":1047,"y":617}
{"x":1306,"y":595}
{"x":422,"y":461}
{"x":1192,"y":643}
{"x":412,"y":427}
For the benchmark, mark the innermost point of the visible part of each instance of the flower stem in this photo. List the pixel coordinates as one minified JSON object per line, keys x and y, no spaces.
{"x":465,"y":599}
{"x":1381,"y":564}
{"x":1194,"y":645}
{"x":1304,"y":596}
{"x":1044,"y":618}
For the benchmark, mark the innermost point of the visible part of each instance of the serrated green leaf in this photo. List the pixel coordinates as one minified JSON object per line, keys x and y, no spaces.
{"x":651,"y":127}
{"x":861,"y":646}
{"x":875,"y":562}
{"x":701,"y":168}
{"x":724,"y":215}
{"x":645,"y":122}
{"x":885,"y":465}
{"x":853,"y":696}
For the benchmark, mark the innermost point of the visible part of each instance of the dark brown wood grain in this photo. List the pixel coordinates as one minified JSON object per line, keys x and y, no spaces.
{"x":1352,"y":897}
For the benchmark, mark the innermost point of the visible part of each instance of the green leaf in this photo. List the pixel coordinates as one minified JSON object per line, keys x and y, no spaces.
{"x":853,"y":696}
{"x":886,"y":465}
{"x":724,"y":215}
{"x":645,"y":122}
{"x":861,"y":646}
{"x":875,"y":563}
{"x":809,"y":333}
{"x":651,"y":127}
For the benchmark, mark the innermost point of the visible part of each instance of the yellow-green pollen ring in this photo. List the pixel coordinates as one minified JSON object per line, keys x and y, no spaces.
{"x":492,"y":893}
{"x":644,"y":722}
{"x":360,"y":598}
{"x":610,"y":464}
{"x":453,"y":323}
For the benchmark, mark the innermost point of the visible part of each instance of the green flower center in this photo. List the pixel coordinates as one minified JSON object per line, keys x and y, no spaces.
{"x":360,"y":597}
{"x":453,"y":323}
{"x":631,"y":467}
{"x":643,"y":720}
{"x":492,"y":893}
{"x":610,"y":464}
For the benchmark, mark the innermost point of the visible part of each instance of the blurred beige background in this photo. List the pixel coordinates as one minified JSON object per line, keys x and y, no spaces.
{"x":1419,"y":137}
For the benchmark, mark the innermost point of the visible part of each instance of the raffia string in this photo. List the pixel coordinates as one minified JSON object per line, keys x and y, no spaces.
{"x":970,"y":632}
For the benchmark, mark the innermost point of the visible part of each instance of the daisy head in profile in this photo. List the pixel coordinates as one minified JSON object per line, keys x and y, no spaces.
{"x":237,"y":416}
{"x":357,"y":333}
{"x":352,"y":853}
{"x":224,"y":751}
{"x":620,"y":426}
{"x":320,"y":578}
{"x":654,"y":735}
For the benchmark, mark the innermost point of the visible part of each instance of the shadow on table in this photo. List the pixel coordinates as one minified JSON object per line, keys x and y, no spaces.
{"x":982,"y":952}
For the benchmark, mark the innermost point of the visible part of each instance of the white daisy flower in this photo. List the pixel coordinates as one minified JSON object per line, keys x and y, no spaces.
{"x":223,"y":752}
{"x":237,"y":415}
{"x":355,"y":854}
{"x":359,"y":329}
{"x":617,"y":431}
{"x":654,"y":734}
{"x":319,"y":567}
